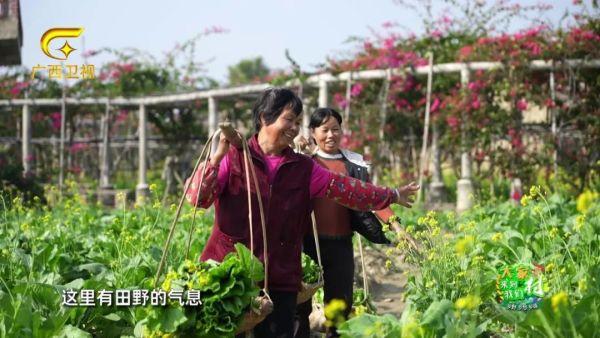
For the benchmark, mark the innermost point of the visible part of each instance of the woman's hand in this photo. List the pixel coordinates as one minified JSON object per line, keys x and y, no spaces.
{"x":301,"y":143}
{"x":227,"y":137}
{"x":406,"y":194}
{"x":221,"y":151}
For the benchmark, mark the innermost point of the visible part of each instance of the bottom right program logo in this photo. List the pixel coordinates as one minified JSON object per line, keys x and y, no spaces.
{"x":520,"y":286}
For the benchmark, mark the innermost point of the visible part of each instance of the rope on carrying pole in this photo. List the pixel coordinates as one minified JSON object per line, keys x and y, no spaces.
{"x":364,"y":271}
{"x":262,"y":217}
{"x":177,"y":214}
{"x":205,"y":154}
{"x":192,"y":227}
{"x":318,"y":248}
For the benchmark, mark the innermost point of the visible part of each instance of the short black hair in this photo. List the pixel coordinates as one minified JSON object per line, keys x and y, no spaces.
{"x":320,"y":115}
{"x":271,"y":104}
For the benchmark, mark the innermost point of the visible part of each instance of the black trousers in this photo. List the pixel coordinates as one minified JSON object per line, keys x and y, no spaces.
{"x":337,"y":255}
{"x":280,"y":323}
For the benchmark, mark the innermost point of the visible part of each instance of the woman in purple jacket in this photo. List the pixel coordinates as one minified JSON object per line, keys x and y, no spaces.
{"x":288,"y":182}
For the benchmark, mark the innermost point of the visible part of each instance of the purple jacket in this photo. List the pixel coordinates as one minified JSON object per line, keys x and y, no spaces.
{"x":287,"y":208}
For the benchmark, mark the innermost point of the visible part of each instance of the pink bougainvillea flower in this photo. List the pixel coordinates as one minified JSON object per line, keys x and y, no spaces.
{"x":127,"y":67}
{"x":436,"y":34}
{"x":357,"y":88}
{"x":435,"y":105}
{"x":534,"y":48}
{"x":55,"y":117}
{"x":77,"y":147}
{"x":521,"y":104}
{"x":388,"y":24}
{"x":475,"y":103}
{"x":389,"y":43}
{"x":465,"y":51}
{"x":340,"y":100}
{"x":475,"y":86}
{"x":452,"y":121}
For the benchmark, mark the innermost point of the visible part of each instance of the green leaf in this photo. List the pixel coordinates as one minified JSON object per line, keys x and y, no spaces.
{"x":172,"y":318}
{"x":70,"y":331}
{"x":434,"y":315}
{"x":113,"y":317}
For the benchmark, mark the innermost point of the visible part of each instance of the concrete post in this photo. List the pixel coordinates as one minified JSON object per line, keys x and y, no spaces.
{"x":142,"y":191}
{"x":464,"y":186}
{"x":26,"y":140}
{"x":436,"y":188}
{"x":323,"y":94}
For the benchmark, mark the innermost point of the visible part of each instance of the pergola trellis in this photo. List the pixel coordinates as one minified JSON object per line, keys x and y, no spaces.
{"x":464,"y":184}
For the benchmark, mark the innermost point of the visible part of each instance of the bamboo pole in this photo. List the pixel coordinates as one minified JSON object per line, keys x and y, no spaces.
{"x":426,"y":128}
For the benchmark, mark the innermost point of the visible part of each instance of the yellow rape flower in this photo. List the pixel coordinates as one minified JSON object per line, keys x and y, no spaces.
{"x":579,"y":222}
{"x":497,"y":237}
{"x":525,"y":200}
{"x":471,"y":225}
{"x":412,"y":329}
{"x":468,"y":302}
{"x":385,"y":227}
{"x":359,"y":310}
{"x":465,"y":244}
{"x":477,"y":259}
{"x":189,"y":266}
{"x":334,"y":311}
{"x":166,"y":285}
{"x":203,"y":280}
{"x":586,"y":200}
{"x":559,"y":300}
{"x":535,"y":190}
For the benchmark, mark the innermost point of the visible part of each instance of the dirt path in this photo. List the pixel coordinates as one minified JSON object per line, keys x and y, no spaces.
{"x":386,"y":286}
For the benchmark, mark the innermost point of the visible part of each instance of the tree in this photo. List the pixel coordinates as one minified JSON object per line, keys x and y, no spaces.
{"x":247,"y":71}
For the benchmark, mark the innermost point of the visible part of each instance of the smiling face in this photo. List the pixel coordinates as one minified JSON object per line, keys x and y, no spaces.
{"x":282,"y":132}
{"x":328,"y":135}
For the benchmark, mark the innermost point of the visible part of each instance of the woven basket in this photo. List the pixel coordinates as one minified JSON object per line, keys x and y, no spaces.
{"x":254,"y":317}
{"x":307,"y":291}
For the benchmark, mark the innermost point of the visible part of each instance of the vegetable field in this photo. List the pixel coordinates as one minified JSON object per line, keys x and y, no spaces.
{"x":452,"y":287}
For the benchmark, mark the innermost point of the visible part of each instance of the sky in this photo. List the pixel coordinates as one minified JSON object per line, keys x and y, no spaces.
{"x":311,"y":30}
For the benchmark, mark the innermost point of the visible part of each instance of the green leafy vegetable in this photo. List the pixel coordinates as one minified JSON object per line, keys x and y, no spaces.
{"x":310,"y":270}
{"x":226,"y":292}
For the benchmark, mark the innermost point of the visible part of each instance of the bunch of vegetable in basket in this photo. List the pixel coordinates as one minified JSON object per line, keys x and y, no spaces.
{"x":311,"y":279}
{"x":310,"y":270}
{"x":227,"y":291}
{"x":362,"y":303}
